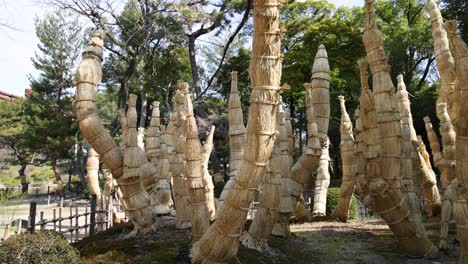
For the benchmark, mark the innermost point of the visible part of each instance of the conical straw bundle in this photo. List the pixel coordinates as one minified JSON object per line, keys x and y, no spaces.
{"x":182,"y":201}
{"x":286,"y":206}
{"x":322,"y":182}
{"x":92,"y":173}
{"x":268,"y":202}
{"x":448,"y":135}
{"x":194,"y":168}
{"x":207,"y":149}
{"x":236,"y":137}
{"x":138,"y":172}
{"x":347,"y":150}
{"x":444,"y":59}
{"x":422,"y":171}
{"x":383,"y":169}
{"x":437,"y":155}
{"x":220,"y":243}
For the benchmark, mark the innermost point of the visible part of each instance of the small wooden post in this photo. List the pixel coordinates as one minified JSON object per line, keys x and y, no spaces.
{"x":37,"y":191}
{"x":101,"y":215}
{"x":48,"y":190}
{"x":6,"y":233}
{"x":55,"y":219}
{"x":48,"y":199}
{"x":32,"y":216}
{"x":92,"y":228}
{"x":76,"y":224}
{"x":42,"y":220}
{"x":60,"y":219}
{"x":71,"y":223}
{"x":86,"y":221}
{"x":18,"y":226}
{"x":61,"y":202}
{"x":110,"y":206}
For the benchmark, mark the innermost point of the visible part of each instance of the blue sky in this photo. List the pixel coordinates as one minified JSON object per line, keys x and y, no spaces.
{"x":17,"y":47}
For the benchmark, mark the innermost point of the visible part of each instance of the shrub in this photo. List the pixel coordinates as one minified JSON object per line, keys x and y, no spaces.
{"x":40,"y":247}
{"x":44,"y":175}
{"x":332,"y":200}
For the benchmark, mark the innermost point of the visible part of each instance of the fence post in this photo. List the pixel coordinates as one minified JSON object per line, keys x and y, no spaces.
{"x":42,"y":220}
{"x":55,"y":219}
{"x":32,"y":216}
{"x":92,"y":229}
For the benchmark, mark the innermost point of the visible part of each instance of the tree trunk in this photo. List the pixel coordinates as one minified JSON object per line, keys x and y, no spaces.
{"x":220,"y":243}
{"x":22,"y":174}
{"x":58,"y":178}
{"x":201,"y":112}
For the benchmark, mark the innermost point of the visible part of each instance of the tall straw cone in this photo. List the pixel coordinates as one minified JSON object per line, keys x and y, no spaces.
{"x":383,"y":163}
{"x":236,"y":137}
{"x":422,"y":170}
{"x":444,"y":60}
{"x":220,"y":243}
{"x":194,"y":168}
{"x":321,"y":103}
{"x":347,"y":151}
{"x":182,"y":201}
{"x":448,"y":136}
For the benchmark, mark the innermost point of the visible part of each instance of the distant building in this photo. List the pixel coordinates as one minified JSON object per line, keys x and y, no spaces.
{"x":4,"y":96}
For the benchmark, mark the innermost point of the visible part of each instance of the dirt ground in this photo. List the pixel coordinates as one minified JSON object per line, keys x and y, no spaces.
{"x":359,"y":241}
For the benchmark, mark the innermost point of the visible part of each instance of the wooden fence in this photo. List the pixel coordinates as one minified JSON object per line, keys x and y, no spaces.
{"x":75,"y":222}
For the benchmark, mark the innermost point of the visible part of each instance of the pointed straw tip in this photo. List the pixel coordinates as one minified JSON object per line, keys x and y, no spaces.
{"x":132,"y":99}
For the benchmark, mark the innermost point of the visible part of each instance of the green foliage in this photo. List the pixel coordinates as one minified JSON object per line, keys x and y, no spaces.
{"x":44,"y":175}
{"x":51,"y":127}
{"x":39,"y":247}
{"x":333,"y":195}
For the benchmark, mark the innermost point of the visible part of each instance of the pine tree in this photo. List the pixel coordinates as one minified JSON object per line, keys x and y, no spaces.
{"x":49,"y":114}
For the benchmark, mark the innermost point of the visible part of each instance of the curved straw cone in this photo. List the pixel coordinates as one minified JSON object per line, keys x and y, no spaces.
{"x":286,"y":207}
{"x":422,"y":170}
{"x":455,"y":201}
{"x":220,"y":243}
{"x":138,"y":175}
{"x":236,"y":137}
{"x":448,"y":135}
{"x":309,"y":160}
{"x":268,"y":203}
{"x":444,"y":60}
{"x":197,"y":189}
{"x":182,"y":201}
{"x":384,"y":165}
{"x":437,"y":156}
{"x":347,"y":150}
{"x":321,"y":103}
{"x":207,"y":149}
{"x":92,"y":174}
{"x":88,"y":75}
{"x":460,"y":53}
{"x":429,"y":184}
{"x":408,"y":189}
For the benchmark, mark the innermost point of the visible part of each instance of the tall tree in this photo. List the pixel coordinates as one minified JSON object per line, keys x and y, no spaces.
{"x":51,"y":125}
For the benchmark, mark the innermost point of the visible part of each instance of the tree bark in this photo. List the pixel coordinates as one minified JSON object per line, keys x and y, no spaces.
{"x":58,"y":178}
{"x":22,"y":174}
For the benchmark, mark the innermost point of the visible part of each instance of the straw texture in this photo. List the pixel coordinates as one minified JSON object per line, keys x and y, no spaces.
{"x":347,"y":150}
{"x":444,"y":60}
{"x":182,"y":201}
{"x":207,"y":149}
{"x":92,"y":173}
{"x":138,"y":175}
{"x":308,"y":162}
{"x":286,"y":207}
{"x":422,"y":171}
{"x":383,"y":163}
{"x":268,"y":202}
{"x":321,"y":103}
{"x":220,"y":243}
{"x":460,"y":53}
{"x":196,"y":183}
{"x":448,"y":135}
{"x":236,"y":137}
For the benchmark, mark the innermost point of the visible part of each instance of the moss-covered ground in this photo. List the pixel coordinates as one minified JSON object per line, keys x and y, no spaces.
{"x":358,"y":241}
